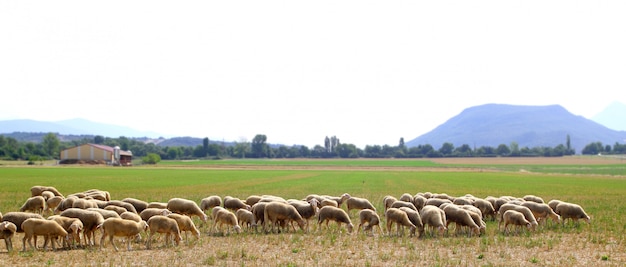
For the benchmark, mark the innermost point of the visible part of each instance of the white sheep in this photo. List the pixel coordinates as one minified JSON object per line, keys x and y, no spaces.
{"x":36,"y":204}
{"x":359,"y":203}
{"x":163,"y":225}
{"x":7,"y":231}
{"x":112,"y":227}
{"x":388,"y":200}
{"x":553,"y":203}
{"x":73,"y":226}
{"x":149,"y":212}
{"x":419,"y":201}
{"x":139,"y":205}
{"x":41,"y":227}
{"x":66,"y":203}
{"x":246,"y":218}
{"x":338,"y":215}
{"x":328,"y":202}
{"x":119,"y":203}
{"x":157,"y":205}
{"x":571,"y":211}
{"x":415,"y":218}
{"x":368,"y":219}
{"x":210,"y":202}
{"x":434,"y":217}
{"x":515,"y":218}
{"x":18,"y":217}
{"x":307,"y":210}
{"x":400,"y":218}
{"x":38,"y":189}
{"x":252,"y":199}
{"x":460,"y":217}
{"x":130,"y":216}
{"x":91,"y":221}
{"x":485,"y":207}
{"x":186,"y":207}
{"x":542,"y":211}
{"x":233,"y":203}
{"x":258,"y":210}
{"x":53,"y":202}
{"x":224,"y":216}
{"x":105,"y":213}
{"x":533,"y":198}
{"x":278,"y":213}
{"x":524,"y":210}
{"x":185,"y":224}
{"x":401,"y":203}
{"x":117,"y":209}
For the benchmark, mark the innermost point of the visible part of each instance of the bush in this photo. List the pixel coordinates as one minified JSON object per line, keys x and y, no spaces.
{"x":151,"y":158}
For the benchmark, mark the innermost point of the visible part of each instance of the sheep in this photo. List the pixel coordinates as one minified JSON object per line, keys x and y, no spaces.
{"x":401,"y":203}
{"x":66,"y":203}
{"x":571,"y":211}
{"x":53,"y":202}
{"x":149,"y":212}
{"x":186,"y":207}
{"x":139,"y":205}
{"x":388,"y":200}
{"x":209,"y":202}
{"x":306,"y":209}
{"x":117,"y":209}
{"x":515,"y":218}
{"x":258,"y":210}
{"x":277,"y":211}
{"x":435,"y":217}
{"x":533,"y":198}
{"x":119,"y":203}
{"x":82,"y":203}
{"x":233,"y":203}
{"x":368,"y":219}
{"x":127,"y":215}
{"x":224,"y":216}
{"x":542,"y":211}
{"x":328,"y":202}
{"x":47,"y":195}
{"x":498,"y":202}
{"x":7,"y":231}
{"x":338,"y":215}
{"x":460,"y":217}
{"x":252,"y":199}
{"x":112,"y":227}
{"x":245,"y":218}
{"x":406,"y":197}
{"x":38,"y":189}
{"x":486,"y":208}
{"x":524,"y":210}
{"x":419,"y":202}
{"x":91,"y":221}
{"x":462,"y":201}
{"x":415,"y":219}
{"x":395,"y":215}
{"x":36,"y":204}
{"x":73,"y":226}
{"x":157,"y":205}
{"x":270,"y":198}
{"x":185,"y":224}
{"x":436,"y":202}
{"x":164,"y":225}
{"x":553,"y":203}
{"x":443,"y":196}
{"x":359,"y":203}
{"x":50,"y":229}
{"x":477,"y":216}
{"x":18,"y":217}
{"x":340,"y":200}
{"x":98,"y":194}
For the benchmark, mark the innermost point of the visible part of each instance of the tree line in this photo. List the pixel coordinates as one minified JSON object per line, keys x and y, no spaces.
{"x":50,"y":146}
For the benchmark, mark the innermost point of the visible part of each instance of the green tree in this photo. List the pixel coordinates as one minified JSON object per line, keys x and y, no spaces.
{"x":259,"y":147}
{"x":241,"y":149}
{"x":205,"y":146}
{"x":51,"y":144}
{"x":151,"y":158}
{"x":98,"y":139}
{"x":503,"y":150}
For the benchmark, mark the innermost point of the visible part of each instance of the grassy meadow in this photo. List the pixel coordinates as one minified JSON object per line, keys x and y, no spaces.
{"x":599,"y":188}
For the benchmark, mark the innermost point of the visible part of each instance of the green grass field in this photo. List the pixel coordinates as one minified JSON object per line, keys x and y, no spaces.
{"x":600,"y":193}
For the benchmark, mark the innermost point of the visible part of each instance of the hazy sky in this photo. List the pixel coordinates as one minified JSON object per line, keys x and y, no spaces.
{"x":368,"y":72}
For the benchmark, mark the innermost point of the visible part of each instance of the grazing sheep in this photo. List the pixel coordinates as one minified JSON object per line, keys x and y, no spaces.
{"x":443,"y":196}
{"x":258,"y":210}
{"x":419,"y":202}
{"x":224,"y":216}
{"x":359,"y":203}
{"x":400,"y":218}
{"x":436,"y":202}
{"x":307,"y":210}
{"x":112,"y":227}
{"x":186,"y":207}
{"x":415,"y":219}
{"x":130,"y":216}
{"x":338,"y":215}
{"x":66,"y":203}
{"x":486,"y":208}
{"x":149,"y":212}
{"x":35,"y":227}
{"x":275,"y":212}
{"x":37,"y":190}
{"x":35,"y":204}
{"x":553,"y":203}
{"x":542,"y":211}
{"x":246,"y":218}
{"x":435,"y":217}
{"x":73,"y":226}
{"x":328,"y":202}
{"x":47,"y":195}
{"x":388,"y":200}
{"x":98,"y":194}
{"x":498,"y":202}
{"x":270,"y":198}
{"x":91,"y":221}
{"x":571,"y":211}
{"x":233,"y":203}
{"x":210,"y":202}
{"x":163,"y":225}
{"x":185,"y":224}
{"x":7,"y":231}
{"x":340,"y":200}
{"x":533,"y":198}
{"x":84,"y":204}
{"x":406,"y":197}
{"x":253,"y":199}
{"x":117,"y":209}
{"x":119,"y":203}
{"x":460,"y":217}
{"x":157,"y":205}
{"x":401,"y":203}
{"x":463,"y":201}
{"x":524,"y":210}
{"x":18,"y":217}
{"x":139,"y":205}
{"x":515,"y":218}
{"x":53,"y":202}
{"x":368,"y":219}
{"x":105,"y":213}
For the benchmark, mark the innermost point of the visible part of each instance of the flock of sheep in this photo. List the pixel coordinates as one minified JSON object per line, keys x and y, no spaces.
{"x":87,"y":212}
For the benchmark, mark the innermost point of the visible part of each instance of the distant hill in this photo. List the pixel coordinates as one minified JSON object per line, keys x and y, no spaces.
{"x":613,"y":116}
{"x":71,"y":127}
{"x":529,"y":126}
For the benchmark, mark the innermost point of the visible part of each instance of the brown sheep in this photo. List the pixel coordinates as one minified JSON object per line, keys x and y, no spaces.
{"x":36,"y":204}
{"x":571,"y":211}
{"x":435,"y":217}
{"x":307,"y":210}
{"x":130,"y":216}
{"x":328,"y":202}
{"x":105,"y":213}
{"x":53,"y":202}
{"x":515,"y":218}
{"x":253,"y":199}
{"x":258,"y":210}
{"x":112,"y":227}
{"x":18,"y":217}
{"x":66,"y":203}
{"x":419,"y":202}
{"x":400,"y":218}
{"x":157,"y":205}
{"x":117,"y":209}
{"x":35,"y":227}
{"x":368,"y":219}
{"x":7,"y":231}
{"x":436,"y":202}
{"x":277,"y":212}
{"x":553,"y":203}
{"x":163,"y":225}
{"x":119,"y":203}
{"x":338,"y":215}
{"x":406,"y":197}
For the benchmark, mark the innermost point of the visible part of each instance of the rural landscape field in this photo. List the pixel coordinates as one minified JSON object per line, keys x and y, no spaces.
{"x":598,"y":184}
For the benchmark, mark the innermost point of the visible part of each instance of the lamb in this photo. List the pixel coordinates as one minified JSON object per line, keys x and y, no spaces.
{"x":388,"y":200}
{"x":524,"y":210}
{"x":275,"y":212}
{"x":460,"y":217}
{"x":130,"y":216}
{"x":338,"y":215}
{"x":7,"y":231}
{"x":571,"y":211}
{"x":139,"y":205}
{"x":210,"y":202}
{"x":533,"y":198}
{"x":112,"y":227}
{"x":224,"y":216}
{"x":359,"y":203}
{"x":73,"y":226}
{"x":50,"y":229}
{"x":435,"y":217}
{"x":246,"y":218}
{"x":149,"y":212}
{"x":18,"y":217}
{"x":36,"y":204}
{"x":91,"y":221}
{"x":486,"y":208}
{"x":415,"y":219}
{"x":233,"y":203}
{"x":164,"y":225}
{"x":394,"y":215}
{"x":368,"y":219}
{"x":401,"y":203}
{"x":38,"y":189}
{"x":186,"y":207}
{"x":542,"y":211}
{"x":185,"y":224}
{"x":515,"y":218}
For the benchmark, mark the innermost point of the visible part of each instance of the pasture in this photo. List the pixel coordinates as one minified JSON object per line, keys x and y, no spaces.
{"x":597,"y":185}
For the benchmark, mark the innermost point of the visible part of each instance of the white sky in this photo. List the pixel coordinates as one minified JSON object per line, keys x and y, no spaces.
{"x":368,"y":72}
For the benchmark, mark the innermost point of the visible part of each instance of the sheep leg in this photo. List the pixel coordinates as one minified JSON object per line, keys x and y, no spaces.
{"x":113,"y":243}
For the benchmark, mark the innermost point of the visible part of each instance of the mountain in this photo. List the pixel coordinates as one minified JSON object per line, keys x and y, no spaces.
{"x":613,"y":116}
{"x":528,"y":126}
{"x":71,"y":127}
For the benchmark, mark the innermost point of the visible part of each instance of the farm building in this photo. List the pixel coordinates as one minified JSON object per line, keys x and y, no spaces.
{"x":92,"y":153}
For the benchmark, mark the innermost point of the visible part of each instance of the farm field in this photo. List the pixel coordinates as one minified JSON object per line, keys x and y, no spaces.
{"x":597,"y":184}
